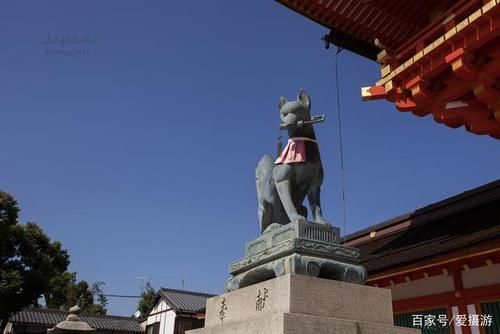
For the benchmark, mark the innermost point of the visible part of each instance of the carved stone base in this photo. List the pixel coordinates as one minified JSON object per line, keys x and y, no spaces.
{"x":298,"y":304}
{"x":296,"y":248}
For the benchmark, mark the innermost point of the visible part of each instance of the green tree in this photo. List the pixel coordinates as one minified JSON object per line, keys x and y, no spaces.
{"x":146,"y":301}
{"x":29,"y":260}
{"x":66,"y":291}
{"x":33,"y":266}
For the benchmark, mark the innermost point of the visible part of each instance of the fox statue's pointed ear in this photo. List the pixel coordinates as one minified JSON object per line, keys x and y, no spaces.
{"x":282,"y":102}
{"x":304,"y":98}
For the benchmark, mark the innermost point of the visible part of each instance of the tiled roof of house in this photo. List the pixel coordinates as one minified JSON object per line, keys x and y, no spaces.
{"x":49,"y":318}
{"x":185,"y":301}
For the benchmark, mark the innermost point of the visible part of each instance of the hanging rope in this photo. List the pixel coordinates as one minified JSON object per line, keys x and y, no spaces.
{"x":339,"y":118}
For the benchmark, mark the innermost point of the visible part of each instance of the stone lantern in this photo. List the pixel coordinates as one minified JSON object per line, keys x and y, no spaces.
{"x":72,"y":325}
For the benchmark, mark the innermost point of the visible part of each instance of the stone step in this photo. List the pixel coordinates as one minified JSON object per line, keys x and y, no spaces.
{"x":288,"y":323}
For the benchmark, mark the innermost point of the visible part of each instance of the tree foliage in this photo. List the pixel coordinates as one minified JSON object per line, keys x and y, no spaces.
{"x":146,"y":301}
{"x":32,"y":266}
{"x":29,"y":260}
{"x":66,"y":291}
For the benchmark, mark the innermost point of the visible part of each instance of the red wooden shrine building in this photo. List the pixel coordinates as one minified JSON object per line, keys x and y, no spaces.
{"x":439,"y":58}
{"x":443,"y":259}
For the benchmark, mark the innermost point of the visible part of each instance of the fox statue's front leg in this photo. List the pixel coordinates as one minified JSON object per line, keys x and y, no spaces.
{"x":282,"y":175}
{"x":314,"y":198}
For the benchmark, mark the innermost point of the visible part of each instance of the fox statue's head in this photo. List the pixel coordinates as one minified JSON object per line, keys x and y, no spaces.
{"x":292,"y":112}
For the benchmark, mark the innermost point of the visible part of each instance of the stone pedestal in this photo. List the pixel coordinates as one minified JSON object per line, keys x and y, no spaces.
{"x":298,"y":304}
{"x":296,"y":248}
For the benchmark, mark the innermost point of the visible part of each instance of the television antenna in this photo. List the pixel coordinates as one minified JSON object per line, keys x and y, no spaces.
{"x":144,"y":280}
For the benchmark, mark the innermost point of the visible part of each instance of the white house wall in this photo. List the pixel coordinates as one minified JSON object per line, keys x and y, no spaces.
{"x":163,"y":314}
{"x":170,"y":323}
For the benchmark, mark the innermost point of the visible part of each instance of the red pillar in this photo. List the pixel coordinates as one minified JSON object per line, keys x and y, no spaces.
{"x":459,"y":301}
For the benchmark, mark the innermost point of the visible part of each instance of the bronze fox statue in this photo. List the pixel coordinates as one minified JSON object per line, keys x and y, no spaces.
{"x":284,"y":183}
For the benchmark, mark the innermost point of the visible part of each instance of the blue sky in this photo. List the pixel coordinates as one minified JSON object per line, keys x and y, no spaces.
{"x":139,"y":154}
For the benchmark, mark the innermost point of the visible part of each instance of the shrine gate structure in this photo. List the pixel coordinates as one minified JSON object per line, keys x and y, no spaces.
{"x":439,"y":58}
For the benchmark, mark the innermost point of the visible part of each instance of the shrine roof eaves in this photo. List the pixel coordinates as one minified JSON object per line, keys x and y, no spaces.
{"x":485,"y":193}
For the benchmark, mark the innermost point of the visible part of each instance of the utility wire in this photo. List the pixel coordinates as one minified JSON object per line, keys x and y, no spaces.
{"x":339,"y":118}
{"x":116,"y":296}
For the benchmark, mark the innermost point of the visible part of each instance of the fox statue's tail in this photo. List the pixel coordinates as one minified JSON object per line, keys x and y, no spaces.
{"x":262,"y":172}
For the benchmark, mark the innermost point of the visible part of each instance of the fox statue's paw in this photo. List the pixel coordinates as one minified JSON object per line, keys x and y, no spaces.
{"x":271,"y":227}
{"x":322,"y":221}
